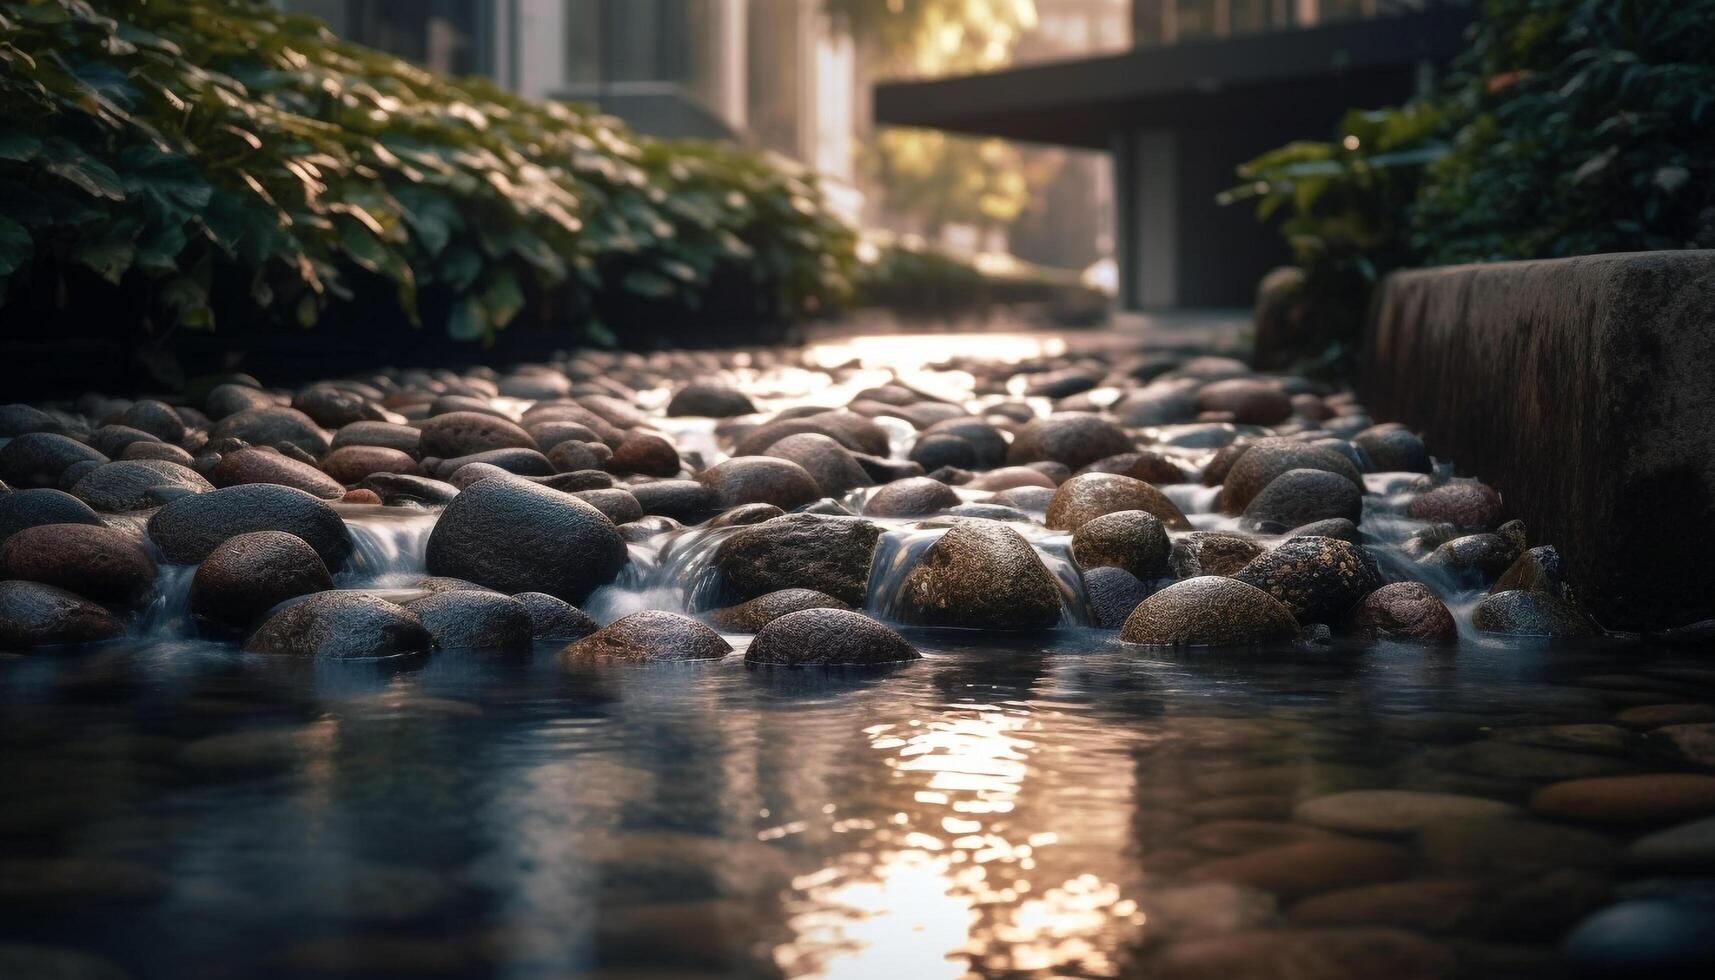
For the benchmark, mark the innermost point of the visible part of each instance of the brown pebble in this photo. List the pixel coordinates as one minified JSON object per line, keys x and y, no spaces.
{"x":1655,"y":798}
{"x":1306,"y":868}
{"x":360,"y":497}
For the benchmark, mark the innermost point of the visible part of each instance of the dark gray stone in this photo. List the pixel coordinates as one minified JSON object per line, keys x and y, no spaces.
{"x":514,"y":536}
{"x":273,"y":426}
{"x":1130,"y":539}
{"x":37,"y":459}
{"x":555,"y":619}
{"x":37,"y":615}
{"x":827,"y":638}
{"x":124,"y":485}
{"x":187,"y":530}
{"x":1299,"y":497}
{"x":831,"y":555}
{"x":20,"y":509}
{"x":1319,"y":579}
{"x":341,"y":626}
{"x":1112,"y":593}
{"x":748,"y":617}
{"x":475,"y":620}
{"x":249,"y":574}
{"x":649,"y":636}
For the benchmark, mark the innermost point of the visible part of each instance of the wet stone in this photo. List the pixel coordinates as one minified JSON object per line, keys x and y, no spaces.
{"x":1519,"y":613}
{"x":1666,"y":938}
{"x":1130,"y":539}
{"x":1387,"y":812}
{"x":125,"y":485}
{"x":1643,"y":799}
{"x":248,"y":574}
{"x":1262,"y":462}
{"x":649,"y":636}
{"x":98,"y":563}
{"x":821,"y":637}
{"x":37,"y":615}
{"x":981,"y":575}
{"x":482,"y":621}
{"x":831,"y":555}
{"x":1112,"y":594}
{"x":555,"y":619}
{"x":1319,"y":579}
{"x":187,"y":530}
{"x":749,"y":617}
{"x":1085,"y":498}
{"x":1212,"y":553}
{"x":1404,"y":611}
{"x":1462,"y":503}
{"x":916,"y":497}
{"x":341,"y":626}
{"x":515,"y":536}
{"x":1209,"y":611}
{"x":20,"y":509}
{"x":1308,"y":867}
{"x":1299,"y":497}
{"x":1693,"y":742}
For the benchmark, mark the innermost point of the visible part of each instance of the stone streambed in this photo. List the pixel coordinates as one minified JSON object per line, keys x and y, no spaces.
{"x":779,"y":663}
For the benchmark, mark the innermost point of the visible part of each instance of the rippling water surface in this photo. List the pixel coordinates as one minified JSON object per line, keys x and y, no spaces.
{"x":1046,"y":805}
{"x":1000,"y":808}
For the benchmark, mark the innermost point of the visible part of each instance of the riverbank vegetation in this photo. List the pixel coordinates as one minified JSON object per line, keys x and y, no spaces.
{"x":1566,"y":127}
{"x":174,"y":165}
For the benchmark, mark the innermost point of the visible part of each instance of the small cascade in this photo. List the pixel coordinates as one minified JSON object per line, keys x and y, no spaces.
{"x":1192,"y":499}
{"x":389,"y":546}
{"x":678,"y":576}
{"x":896,"y":553}
{"x":167,"y":613}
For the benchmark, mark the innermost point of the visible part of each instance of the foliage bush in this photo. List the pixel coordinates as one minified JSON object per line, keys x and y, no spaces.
{"x":217,"y":160}
{"x":1565,"y":127}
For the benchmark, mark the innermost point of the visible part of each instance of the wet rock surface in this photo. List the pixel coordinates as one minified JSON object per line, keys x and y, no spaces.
{"x":649,"y":636}
{"x":1155,"y":765}
{"x":827,"y":638}
{"x":248,"y":574}
{"x":515,"y":536}
{"x":1209,"y":611}
{"x":341,"y":626}
{"x":981,"y":575}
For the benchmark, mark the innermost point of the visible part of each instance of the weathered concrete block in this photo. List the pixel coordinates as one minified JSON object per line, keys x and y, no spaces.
{"x":1584,"y":390}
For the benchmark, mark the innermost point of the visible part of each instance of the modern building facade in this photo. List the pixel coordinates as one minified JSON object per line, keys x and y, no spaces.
{"x":1204,"y":86}
{"x":768,"y":72}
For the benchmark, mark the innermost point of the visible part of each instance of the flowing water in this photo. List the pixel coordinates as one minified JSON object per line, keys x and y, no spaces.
{"x":1054,"y":804}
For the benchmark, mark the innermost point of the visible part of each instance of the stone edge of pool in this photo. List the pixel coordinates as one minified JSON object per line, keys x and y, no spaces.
{"x":1584,"y":390}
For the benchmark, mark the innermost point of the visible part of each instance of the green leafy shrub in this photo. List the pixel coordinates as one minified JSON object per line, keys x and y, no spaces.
{"x":196,"y":161}
{"x":1566,"y":127}
{"x":1575,"y":127}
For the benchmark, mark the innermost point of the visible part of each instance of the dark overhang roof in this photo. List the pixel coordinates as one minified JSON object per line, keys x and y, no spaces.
{"x":1082,"y":102}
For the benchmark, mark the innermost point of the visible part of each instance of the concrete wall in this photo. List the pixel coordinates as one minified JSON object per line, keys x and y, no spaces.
{"x":1584,"y":390}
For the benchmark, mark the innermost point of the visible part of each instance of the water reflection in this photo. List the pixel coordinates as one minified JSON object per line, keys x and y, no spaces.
{"x":1012,"y":806}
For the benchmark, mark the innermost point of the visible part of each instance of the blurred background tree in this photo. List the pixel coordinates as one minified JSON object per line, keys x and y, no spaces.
{"x":929,"y":178}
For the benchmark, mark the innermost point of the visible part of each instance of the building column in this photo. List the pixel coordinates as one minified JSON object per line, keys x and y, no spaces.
{"x":1146,"y":225}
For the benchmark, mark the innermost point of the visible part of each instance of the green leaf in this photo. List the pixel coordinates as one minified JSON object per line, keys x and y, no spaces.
{"x":108,"y":258}
{"x":187,"y":301}
{"x":467,"y":320}
{"x":503,"y":298}
{"x":69,"y":163}
{"x":459,"y":268}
